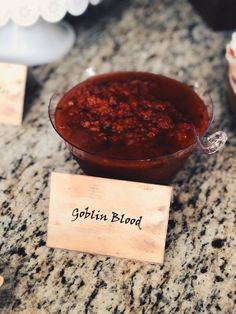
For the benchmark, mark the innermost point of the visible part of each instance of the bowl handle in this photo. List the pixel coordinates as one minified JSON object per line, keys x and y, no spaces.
{"x":213,"y":143}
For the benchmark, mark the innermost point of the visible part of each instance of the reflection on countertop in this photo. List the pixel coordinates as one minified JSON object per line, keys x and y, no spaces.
{"x":198,"y":275}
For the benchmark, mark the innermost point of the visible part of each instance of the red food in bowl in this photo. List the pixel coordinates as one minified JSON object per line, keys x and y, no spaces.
{"x":131,"y":125}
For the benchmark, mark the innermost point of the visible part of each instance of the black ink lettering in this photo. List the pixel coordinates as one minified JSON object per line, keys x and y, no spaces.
{"x":92,"y":215}
{"x":75,"y":213}
{"x":81,"y":214}
{"x":97,"y":215}
{"x":103,"y":217}
{"x":87,"y":213}
{"x":115,"y":217}
{"x":127,"y":220}
{"x":122,"y":218}
{"x":138,"y":222}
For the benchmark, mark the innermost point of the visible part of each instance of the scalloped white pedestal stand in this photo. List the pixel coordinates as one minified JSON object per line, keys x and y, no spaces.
{"x":40,"y":43}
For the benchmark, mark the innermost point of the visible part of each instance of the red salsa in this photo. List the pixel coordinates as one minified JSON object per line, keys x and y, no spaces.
{"x":131,"y":115}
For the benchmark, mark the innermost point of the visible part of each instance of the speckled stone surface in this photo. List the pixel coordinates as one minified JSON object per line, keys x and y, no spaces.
{"x":198,"y":275}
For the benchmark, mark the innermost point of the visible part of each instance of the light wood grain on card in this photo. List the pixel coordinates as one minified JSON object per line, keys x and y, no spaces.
{"x":12,"y":92}
{"x":108,"y":217}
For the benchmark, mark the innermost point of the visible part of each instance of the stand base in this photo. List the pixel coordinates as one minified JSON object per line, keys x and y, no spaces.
{"x":38,"y":44}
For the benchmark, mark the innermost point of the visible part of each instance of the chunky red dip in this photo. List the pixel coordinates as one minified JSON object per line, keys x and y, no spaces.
{"x":131,"y":115}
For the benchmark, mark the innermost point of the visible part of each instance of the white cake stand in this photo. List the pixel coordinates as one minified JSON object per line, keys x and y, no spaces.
{"x":30,"y":31}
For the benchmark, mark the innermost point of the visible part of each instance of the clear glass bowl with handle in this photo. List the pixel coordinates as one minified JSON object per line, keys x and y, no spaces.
{"x":154,"y":169}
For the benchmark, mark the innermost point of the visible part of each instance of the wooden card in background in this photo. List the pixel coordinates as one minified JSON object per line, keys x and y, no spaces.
{"x":108,"y":217}
{"x":12,"y":92}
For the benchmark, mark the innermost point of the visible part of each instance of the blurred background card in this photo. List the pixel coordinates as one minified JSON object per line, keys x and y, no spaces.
{"x":12,"y":92}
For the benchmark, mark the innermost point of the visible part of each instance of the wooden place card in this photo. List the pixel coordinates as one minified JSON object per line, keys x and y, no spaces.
{"x":12,"y":92}
{"x":108,"y":217}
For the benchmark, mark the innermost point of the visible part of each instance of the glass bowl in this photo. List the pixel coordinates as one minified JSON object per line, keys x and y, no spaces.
{"x":159,"y":170}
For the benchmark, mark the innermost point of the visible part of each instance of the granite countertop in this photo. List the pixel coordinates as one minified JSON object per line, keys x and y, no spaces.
{"x":198,"y":275}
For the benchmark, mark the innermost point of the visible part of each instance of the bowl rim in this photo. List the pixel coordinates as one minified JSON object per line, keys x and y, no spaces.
{"x":174,"y":155}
